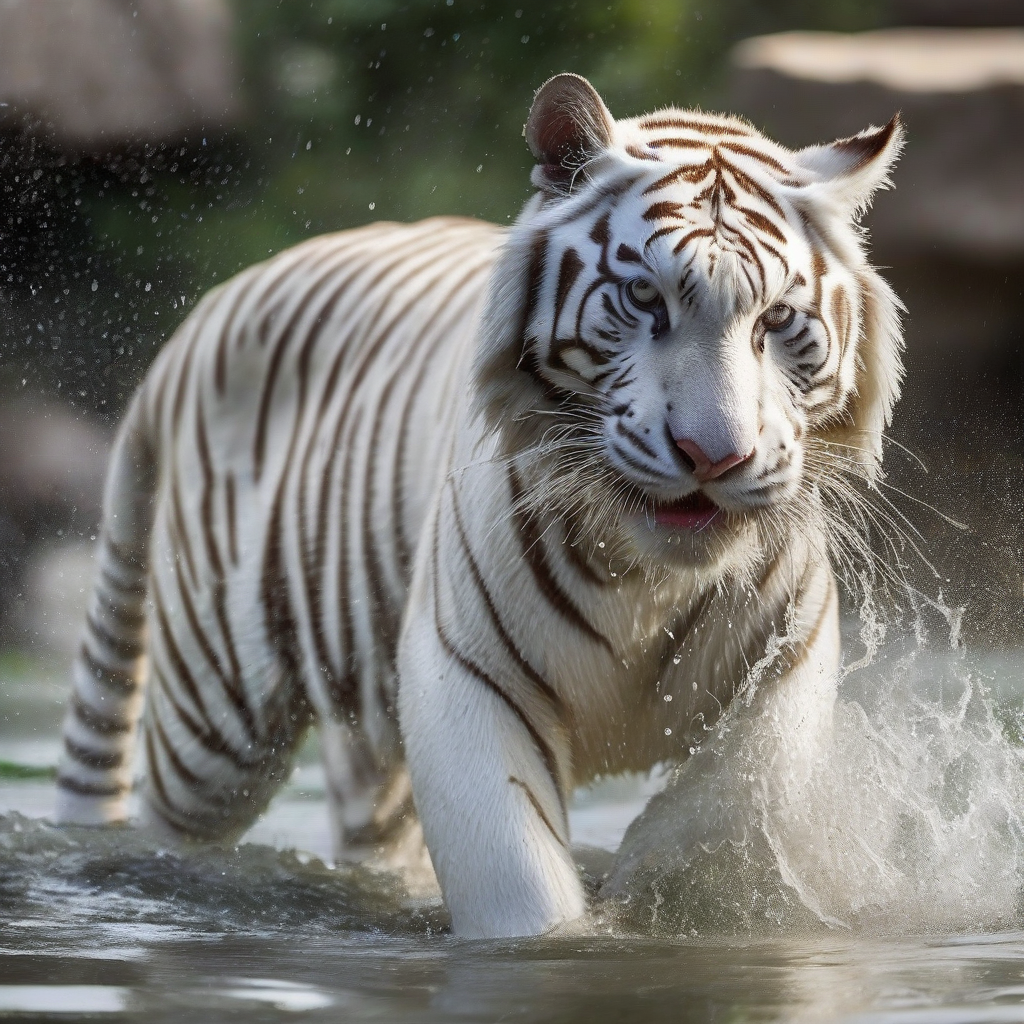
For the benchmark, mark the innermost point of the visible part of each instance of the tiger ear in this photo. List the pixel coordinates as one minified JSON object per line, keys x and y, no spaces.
{"x":568,"y":125}
{"x":849,"y":171}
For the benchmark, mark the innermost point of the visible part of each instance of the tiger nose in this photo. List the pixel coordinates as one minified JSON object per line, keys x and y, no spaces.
{"x":703,"y":468}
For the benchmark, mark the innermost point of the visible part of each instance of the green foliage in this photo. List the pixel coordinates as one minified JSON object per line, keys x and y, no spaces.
{"x":354,"y":111}
{"x":9,"y":771}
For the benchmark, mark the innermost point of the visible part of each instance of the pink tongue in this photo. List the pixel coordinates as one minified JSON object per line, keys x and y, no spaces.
{"x":685,"y":519}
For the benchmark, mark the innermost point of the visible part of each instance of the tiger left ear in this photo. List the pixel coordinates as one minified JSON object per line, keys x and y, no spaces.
{"x":568,"y":125}
{"x":850,"y":171}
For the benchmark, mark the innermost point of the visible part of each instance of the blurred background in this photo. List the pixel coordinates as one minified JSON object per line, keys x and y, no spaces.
{"x":151,"y":148}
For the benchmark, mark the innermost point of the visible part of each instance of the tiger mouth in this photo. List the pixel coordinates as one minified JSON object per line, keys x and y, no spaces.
{"x":694,"y":512}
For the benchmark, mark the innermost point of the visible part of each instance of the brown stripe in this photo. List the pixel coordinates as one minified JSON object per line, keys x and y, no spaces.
{"x":532,"y":546}
{"x":227,"y":331}
{"x":624,"y":431}
{"x":582,"y":565}
{"x":129,"y":616}
{"x":568,"y":272}
{"x":535,"y":803}
{"x":689,"y":236}
{"x":74,"y":785}
{"x":640,"y":154}
{"x":97,"y":721}
{"x":690,"y":124}
{"x":183,"y":772}
{"x":185,"y":677}
{"x":547,"y":755}
{"x":229,"y":501}
{"x":210,"y":740}
{"x":754,"y":154}
{"x":125,"y":648}
{"x":511,"y":647}
{"x":99,"y":759}
{"x":692,"y":173}
{"x":123,"y":683}
{"x":115,"y":583}
{"x":678,"y":143}
{"x":169,"y":809}
{"x":762,"y":223}
{"x":663,"y":210}
{"x":385,"y":608}
{"x":403,"y":547}
{"x":131,"y":555}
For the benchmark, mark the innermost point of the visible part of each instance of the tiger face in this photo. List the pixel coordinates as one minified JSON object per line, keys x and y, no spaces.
{"x":698,"y":326}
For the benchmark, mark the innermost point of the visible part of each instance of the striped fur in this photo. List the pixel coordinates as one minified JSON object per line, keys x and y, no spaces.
{"x":362,"y":487}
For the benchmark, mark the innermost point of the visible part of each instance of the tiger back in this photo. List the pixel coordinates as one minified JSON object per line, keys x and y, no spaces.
{"x":289,"y":435}
{"x":501,"y":511}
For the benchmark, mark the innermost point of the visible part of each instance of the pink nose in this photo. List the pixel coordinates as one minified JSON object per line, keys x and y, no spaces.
{"x":703,"y":468}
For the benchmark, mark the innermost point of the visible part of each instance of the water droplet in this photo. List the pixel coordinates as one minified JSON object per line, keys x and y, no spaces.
{"x":693,"y":750}
{"x":695,"y":685}
{"x":668,"y":698}
{"x":372,"y":205}
{"x":600,"y":543}
{"x":95,"y":285}
{"x":678,"y":658}
{"x":668,"y":732}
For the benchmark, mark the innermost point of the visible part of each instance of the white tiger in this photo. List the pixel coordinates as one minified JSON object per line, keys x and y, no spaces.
{"x":546,"y":525}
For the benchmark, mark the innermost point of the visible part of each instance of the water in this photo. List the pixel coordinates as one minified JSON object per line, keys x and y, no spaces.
{"x":892,"y":893}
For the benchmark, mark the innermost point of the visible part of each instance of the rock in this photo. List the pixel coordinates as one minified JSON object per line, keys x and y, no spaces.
{"x":957,"y":12}
{"x":52,"y":465}
{"x":961,"y":93}
{"x":100,"y":73}
{"x":953,"y":229}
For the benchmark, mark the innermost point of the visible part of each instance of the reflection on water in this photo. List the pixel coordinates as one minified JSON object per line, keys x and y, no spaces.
{"x":893,"y":896}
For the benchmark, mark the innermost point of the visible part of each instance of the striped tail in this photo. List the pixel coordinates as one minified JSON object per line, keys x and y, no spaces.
{"x":95,"y":777}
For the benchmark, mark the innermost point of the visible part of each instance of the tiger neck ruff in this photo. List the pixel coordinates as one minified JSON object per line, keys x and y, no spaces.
{"x":499,"y":511}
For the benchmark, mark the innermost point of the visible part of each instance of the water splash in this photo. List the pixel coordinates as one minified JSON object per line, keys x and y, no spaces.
{"x":100,"y":876}
{"x":911,"y":823}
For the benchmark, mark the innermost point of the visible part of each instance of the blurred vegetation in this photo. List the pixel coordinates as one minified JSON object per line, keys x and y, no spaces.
{"x":355,"y":111}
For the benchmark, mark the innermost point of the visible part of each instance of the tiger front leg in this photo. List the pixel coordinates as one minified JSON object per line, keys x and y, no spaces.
{"x":493,"y":814}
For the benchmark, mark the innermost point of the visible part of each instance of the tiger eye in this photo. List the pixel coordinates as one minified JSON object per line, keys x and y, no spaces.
{"x":779,"y":317}
{"x":642,"y":293}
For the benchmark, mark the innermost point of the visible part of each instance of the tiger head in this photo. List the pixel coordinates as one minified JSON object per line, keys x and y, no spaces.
{"x":684,"y":339}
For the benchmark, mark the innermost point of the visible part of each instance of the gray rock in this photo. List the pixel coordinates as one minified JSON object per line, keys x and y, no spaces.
{"x":99,"y":73}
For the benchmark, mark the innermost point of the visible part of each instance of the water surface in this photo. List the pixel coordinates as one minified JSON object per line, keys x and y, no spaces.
{"x":926,"y":926}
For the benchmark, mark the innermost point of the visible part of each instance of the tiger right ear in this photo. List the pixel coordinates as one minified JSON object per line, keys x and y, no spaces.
{"x":568,"y":125}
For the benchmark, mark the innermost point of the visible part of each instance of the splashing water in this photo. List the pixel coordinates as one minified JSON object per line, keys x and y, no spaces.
{"x":912,"y":821}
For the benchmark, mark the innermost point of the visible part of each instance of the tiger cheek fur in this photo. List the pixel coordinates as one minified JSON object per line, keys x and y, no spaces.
{"x":477,"y":533}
